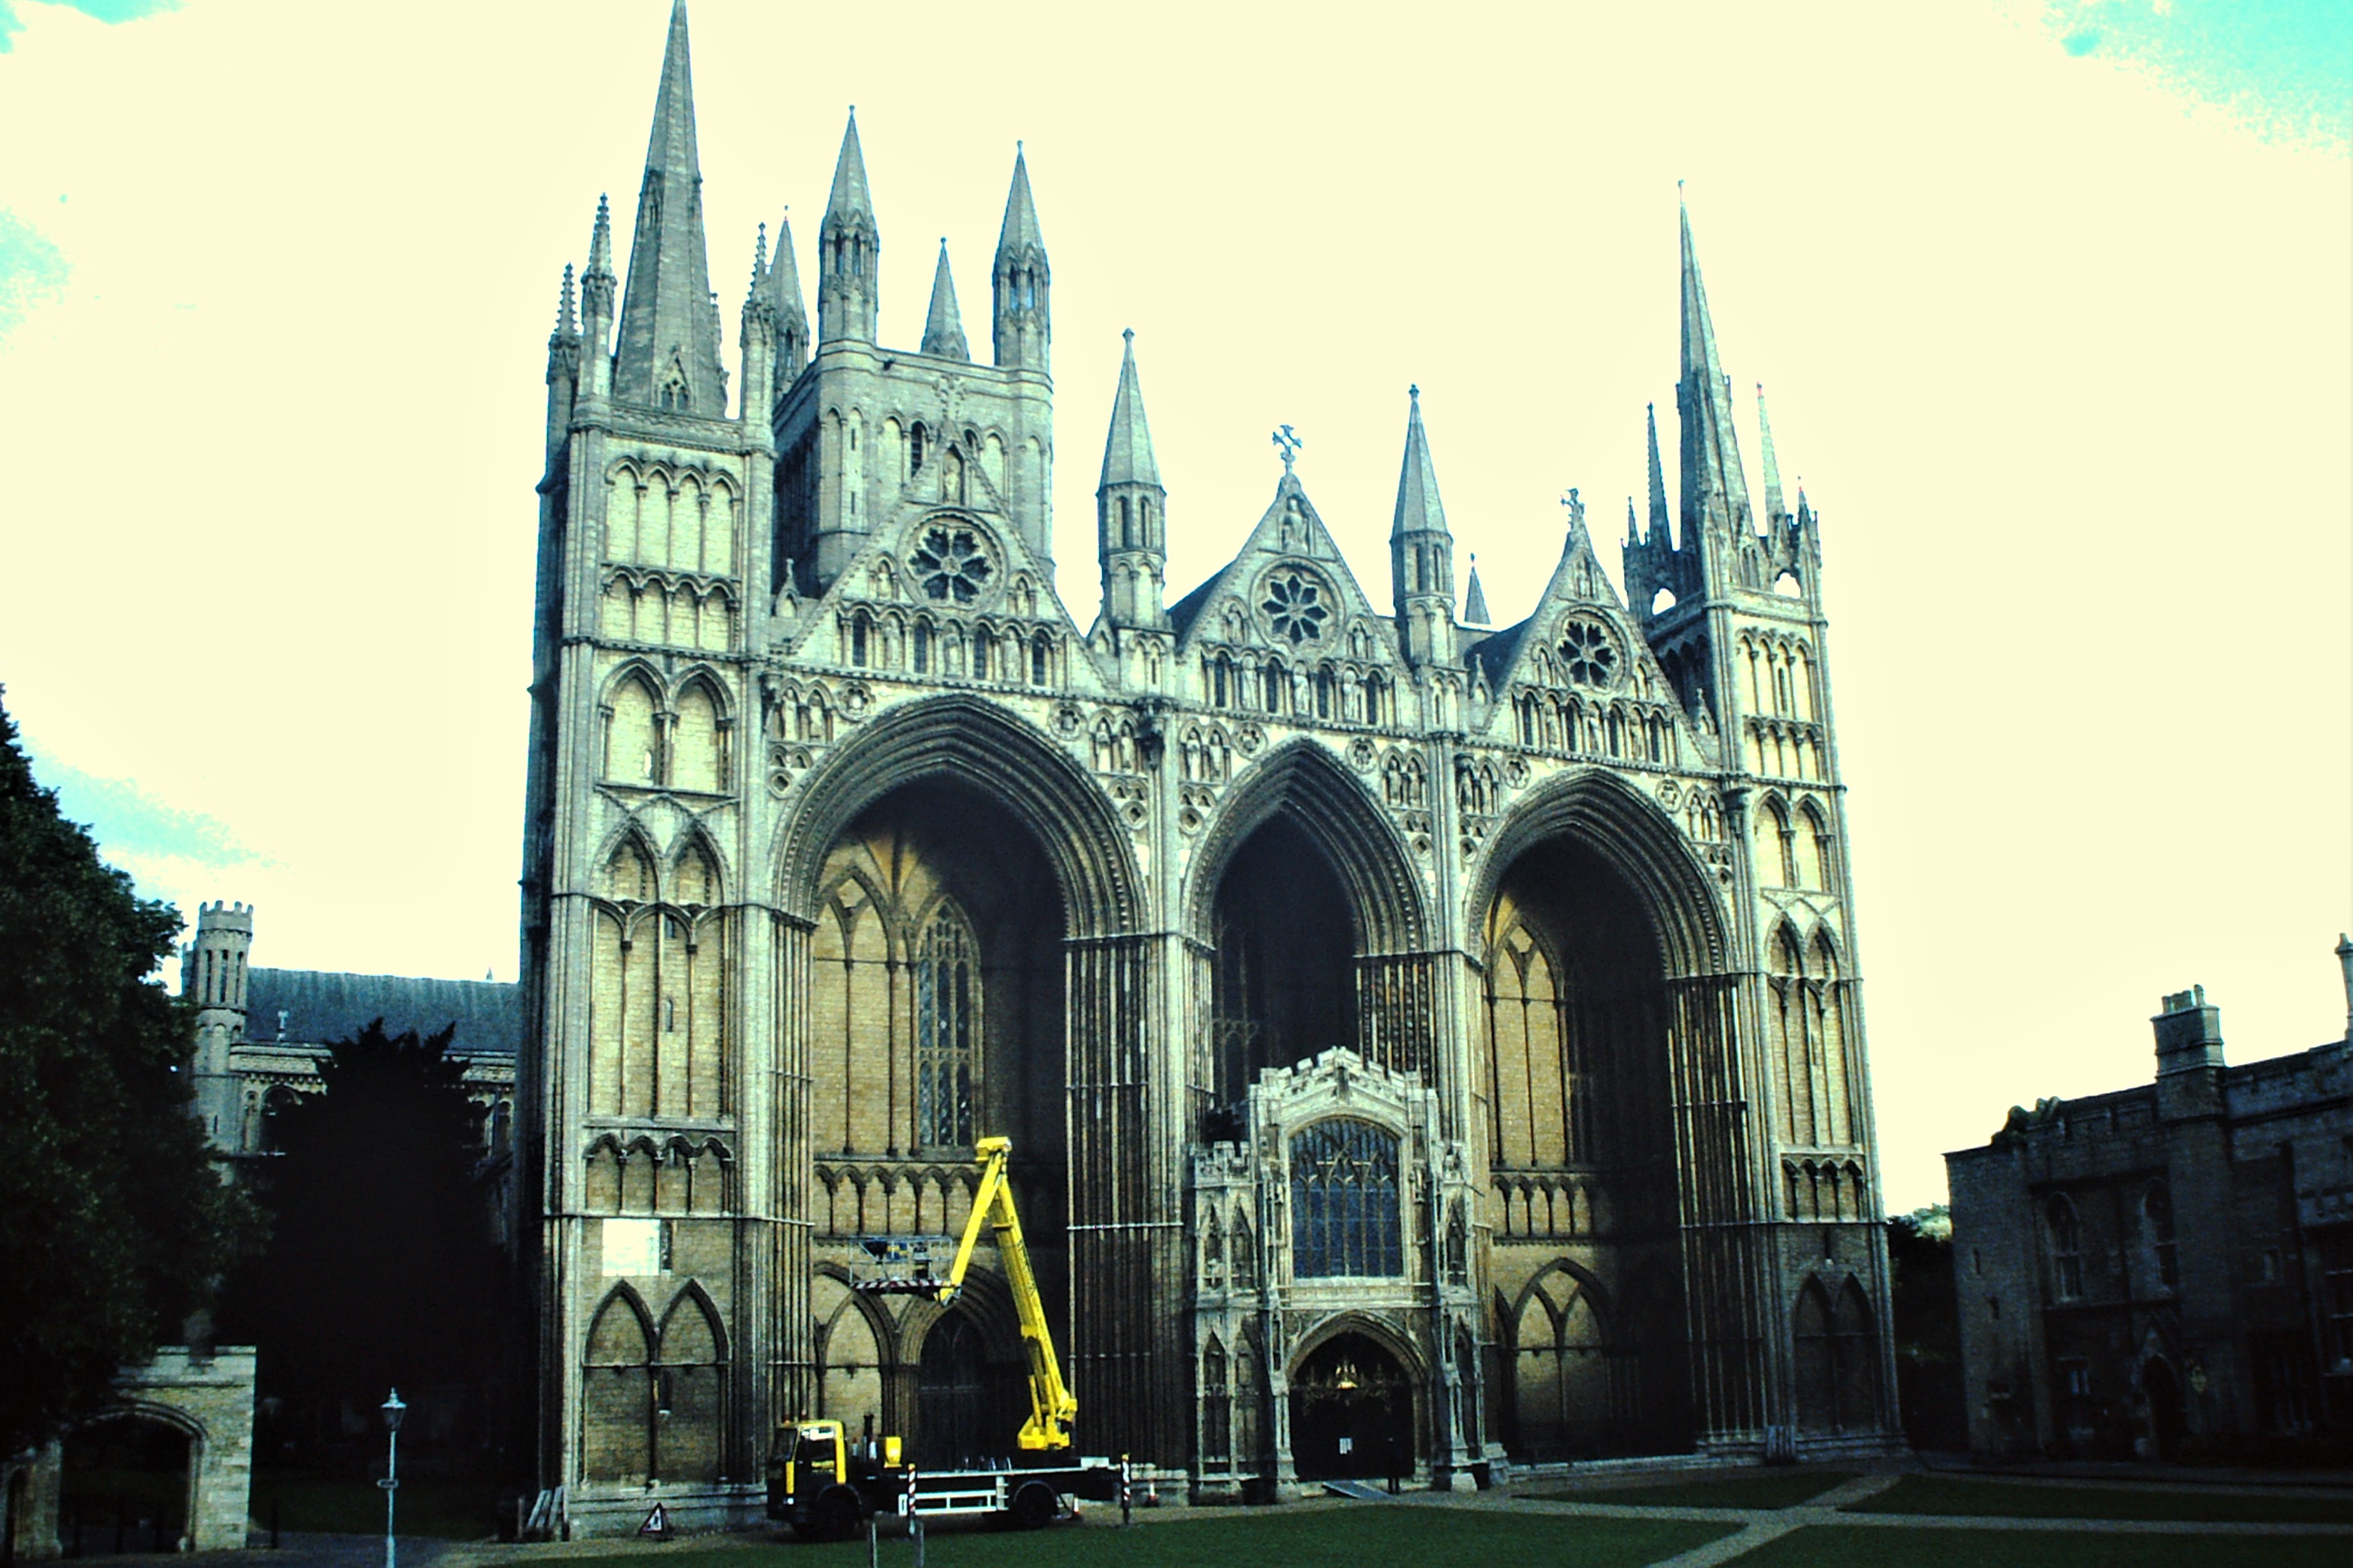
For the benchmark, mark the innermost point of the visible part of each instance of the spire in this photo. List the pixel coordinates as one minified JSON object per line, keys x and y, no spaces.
{"x":780,"y":290}
{"x":1774,"y":511}
{"x":1419,"y":509}
{"x":943,"y":326}
{"x":1421,"y":550}
{"x":759,"y":263}
{"x":668,"y":353}
{"x":1660,"y":532}
{"x":849,"y":247}
{"x":563,"y":365}
{"x":1127,"y":453}
{"x":1714,"y":491}
{"x":600,"y":239}
{"x":1021,"y":320}
{"x":567,"y":325}
{"x":1474,"y":599}
{"x":1634,"y":529}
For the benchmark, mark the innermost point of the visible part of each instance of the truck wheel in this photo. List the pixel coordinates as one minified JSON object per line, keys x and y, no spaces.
{"x":1034,"y":1507}
{"x":834,"y":1518}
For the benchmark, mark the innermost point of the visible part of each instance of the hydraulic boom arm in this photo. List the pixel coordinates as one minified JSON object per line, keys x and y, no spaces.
{"x":1053,"y":1407}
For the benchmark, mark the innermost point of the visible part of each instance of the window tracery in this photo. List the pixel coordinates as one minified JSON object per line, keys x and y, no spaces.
{"x":951,"y":564}
{"x":1295,"y":607}
{"x":947,"y":1000}
{"x":1588,"y":654}
{"x":1343,"y":1202}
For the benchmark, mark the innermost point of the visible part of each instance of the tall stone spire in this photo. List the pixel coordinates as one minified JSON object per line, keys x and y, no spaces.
{"x":669,"y":352}
{"x":1022,"y":323}
{"x":1774,"y":509}
{"x":1131,"y":509}
{"x":1421,"y":550}
{"x":563,"y":365}
{"x":943,"y":326}
{"x":781,"y":289}
{"x":1716,"y":491}
{"x":596,"y":284}
{"x":849,"y":249}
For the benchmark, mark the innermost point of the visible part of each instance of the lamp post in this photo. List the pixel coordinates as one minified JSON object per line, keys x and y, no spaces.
{"x":393,"y":1411}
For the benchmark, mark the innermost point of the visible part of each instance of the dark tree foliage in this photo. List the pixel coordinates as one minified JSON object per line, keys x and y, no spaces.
{"x":1927,"y":1323}
{"x":380,"y":1272}
{"x":114,"y":1220}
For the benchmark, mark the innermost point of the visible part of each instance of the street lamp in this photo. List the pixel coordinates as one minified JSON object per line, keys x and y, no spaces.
{"x":393,"y":1411}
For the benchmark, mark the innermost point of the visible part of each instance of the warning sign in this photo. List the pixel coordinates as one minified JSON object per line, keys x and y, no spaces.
{"x":657,"y":1524}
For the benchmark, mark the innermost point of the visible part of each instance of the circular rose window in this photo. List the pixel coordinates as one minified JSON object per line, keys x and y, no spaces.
{"x":1588,"y":652}
{"x":950,"y":564}
{"x":1297,"y":605}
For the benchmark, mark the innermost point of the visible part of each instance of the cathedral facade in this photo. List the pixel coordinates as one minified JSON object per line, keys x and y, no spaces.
{"x":1426,"y":1048}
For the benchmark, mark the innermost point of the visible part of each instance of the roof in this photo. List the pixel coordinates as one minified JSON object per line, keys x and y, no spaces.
{"x":322,"y":1006}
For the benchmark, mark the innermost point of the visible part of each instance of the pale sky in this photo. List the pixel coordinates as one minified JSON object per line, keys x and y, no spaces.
{"x":2055,"y":306}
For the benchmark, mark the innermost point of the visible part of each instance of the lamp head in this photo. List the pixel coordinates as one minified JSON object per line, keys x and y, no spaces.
{"x":393,"y":1411}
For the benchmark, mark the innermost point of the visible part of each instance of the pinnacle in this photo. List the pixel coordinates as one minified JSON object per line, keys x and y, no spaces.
{"x":1019,"y":231}
{"x":600,"y":240}
{"x":1474,"y":599}
{"x":1128,"y":456}
{"x":567,"y":324}
{"x":1419,"y":509}
{"x":943,"y":326}
{"x":850,"y":198}
{"x":1773,"y":508}
{"x":1657,"y":482}
{"x":670,"y":323}
{"x":781,"y":285}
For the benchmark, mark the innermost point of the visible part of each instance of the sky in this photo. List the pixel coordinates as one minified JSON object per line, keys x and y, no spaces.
{"x":2053,"y":302}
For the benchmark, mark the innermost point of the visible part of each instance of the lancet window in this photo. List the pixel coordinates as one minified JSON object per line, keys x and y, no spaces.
{"x":947,"y":1006}
{"x":1343,"y":1202}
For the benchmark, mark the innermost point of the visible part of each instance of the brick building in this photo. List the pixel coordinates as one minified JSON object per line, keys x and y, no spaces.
{"x":846,"y":841}
{"x":2170,"y":1267}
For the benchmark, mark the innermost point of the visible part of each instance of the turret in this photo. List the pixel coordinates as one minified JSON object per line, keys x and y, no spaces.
{"x":850,"y":250}
{"x":1131,"y":515}
{"x":1474,"y":599}
{"x":943,"y":324}
{"x":597,"y":285}
{"x":1421,"y":551}
{"x":213,"y":974}
{"x":1022,"y":317}
{"x":668,"y":356}
{"x":782,"y":292}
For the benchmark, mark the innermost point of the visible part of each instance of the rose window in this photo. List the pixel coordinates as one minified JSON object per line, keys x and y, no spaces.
{"x":1587,"y":653}
{"x":950,"y":564}
{"x":1295,"y":605}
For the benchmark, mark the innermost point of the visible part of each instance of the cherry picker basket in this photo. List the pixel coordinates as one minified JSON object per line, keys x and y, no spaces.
{"x":902,"y":1265}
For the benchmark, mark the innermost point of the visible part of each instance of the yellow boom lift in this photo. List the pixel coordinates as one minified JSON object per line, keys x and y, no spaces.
{"x":826,"y":1485}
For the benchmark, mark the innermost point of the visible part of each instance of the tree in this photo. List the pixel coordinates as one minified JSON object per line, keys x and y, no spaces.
{"x":114,"y":1220}
{"x":380,"y":1271}
{"x":1927,"y":1323}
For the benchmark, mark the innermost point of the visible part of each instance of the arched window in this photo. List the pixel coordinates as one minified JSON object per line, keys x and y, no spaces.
{"x":274,"y":1106}
{"x":1126,"y":534}
{"x":922,"y":654}
{"x":1222,"y":681}
{"x":1343,"y":1202}
{"x":914,"y":450}
{"x":947,"y":1009}
{"x":2066,"y":1248}
{"x":1041,"y":660}
{"x":1216,"y":1412}
{"x":2157,"y":1212}
{"x":858,"y":638}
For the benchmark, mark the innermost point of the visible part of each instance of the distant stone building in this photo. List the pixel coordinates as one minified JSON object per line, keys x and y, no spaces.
{"x":261,"y":1034}
{"x":2165,"y":1267}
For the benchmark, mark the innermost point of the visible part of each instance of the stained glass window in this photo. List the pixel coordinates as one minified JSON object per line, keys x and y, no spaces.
{"x":947,"y":1003}
{"x":1343,"y":1202}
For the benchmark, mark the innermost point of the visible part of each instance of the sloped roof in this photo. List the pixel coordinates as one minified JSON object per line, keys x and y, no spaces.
{"x":322,"y":1006}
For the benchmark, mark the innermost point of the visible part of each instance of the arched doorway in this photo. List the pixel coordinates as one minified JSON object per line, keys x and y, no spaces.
{"x":1283,"y":986}
{"x":954,"y":1419}
{"x":125,"y":1485}
{"x":1352,"y":1412}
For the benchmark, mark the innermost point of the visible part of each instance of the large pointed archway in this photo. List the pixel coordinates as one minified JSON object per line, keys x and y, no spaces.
{"x":1612,"y":1104}
{"x":984,"y":882}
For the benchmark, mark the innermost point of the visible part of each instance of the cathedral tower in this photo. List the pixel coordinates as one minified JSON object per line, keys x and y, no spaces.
{"x":212,"y":971}
{"x":1421,"y":551}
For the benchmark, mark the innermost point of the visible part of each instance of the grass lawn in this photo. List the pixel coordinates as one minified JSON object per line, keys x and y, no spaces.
{"x":456,"y":1509}
{"x":1861,"y":1545}
{"x":1746,"y":1488}
{"x":1371,"y":1535}
{"x":2010,"y":1499}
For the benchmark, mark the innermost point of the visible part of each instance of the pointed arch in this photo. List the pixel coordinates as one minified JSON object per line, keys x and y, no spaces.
{"x":698,"y":746}
{"x":632,"y":708}
{"x":1343,"y":821}
{"x":616,"y":1393}
{"x":629,"y":875}
{"x":976,"y":744}
{"x":1636,"y":838}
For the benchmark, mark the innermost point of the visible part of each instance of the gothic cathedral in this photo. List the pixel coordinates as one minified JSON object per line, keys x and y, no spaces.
{"x":1425,"y":1047}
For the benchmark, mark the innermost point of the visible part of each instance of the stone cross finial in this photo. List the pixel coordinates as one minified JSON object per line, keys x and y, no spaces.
{"x":1288,"y":442}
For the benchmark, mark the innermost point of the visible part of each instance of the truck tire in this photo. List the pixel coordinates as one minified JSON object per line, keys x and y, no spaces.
{"x":1034,"y":1507}
{"x":833,"y":1517}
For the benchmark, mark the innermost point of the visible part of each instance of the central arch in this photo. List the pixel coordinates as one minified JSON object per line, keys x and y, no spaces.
{"x":1308,"y":930}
